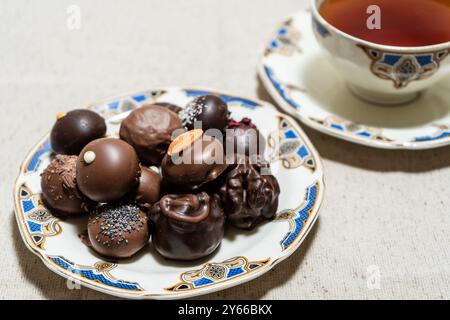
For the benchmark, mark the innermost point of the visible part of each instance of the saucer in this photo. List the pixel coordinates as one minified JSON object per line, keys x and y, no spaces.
{"x":296,"y":73}
{"x":242,"y":256}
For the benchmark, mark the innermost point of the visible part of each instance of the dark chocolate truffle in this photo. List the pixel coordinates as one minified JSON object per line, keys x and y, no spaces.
{"x":193,"y":159}
{"x":250,"y":194}
{"x":149,"y":130}
{"x":75,"y":129}
{"x":170,"y":106}
{"x":149,"y":189}
{"x":187,"y":226}
{"x":59,"y":188}
{"x":210,"y":110}
{"x":244,"y":138}
{"x":118,"y":230}
{"x":107,"y":169}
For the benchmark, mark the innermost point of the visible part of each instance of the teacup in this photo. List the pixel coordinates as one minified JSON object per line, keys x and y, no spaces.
{"x":377,"y":73}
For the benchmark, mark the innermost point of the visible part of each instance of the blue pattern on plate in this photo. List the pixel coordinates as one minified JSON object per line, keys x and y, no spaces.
{"x":27,"y":205}
{"x":235,"y":272}
{"x":232,"y":272}
{"x":114,"y":105}
{"x":36,"y":159}
{"x":34,"y":227}
{"x":441,"y":135}
{"x":93,"y":274}
{"x":202,"y":282}
{"x":139,"y":98}
{"x":300,"y":216}
{"x":290,"y":134}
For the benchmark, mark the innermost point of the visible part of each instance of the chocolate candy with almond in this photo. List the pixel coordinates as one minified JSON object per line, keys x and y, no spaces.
{"x":192,"y":160}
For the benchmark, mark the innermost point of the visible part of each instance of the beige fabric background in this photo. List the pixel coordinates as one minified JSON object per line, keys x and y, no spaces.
{"x":385,"y":213}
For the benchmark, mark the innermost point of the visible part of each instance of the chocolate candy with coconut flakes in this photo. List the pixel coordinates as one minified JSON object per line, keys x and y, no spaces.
{"x":107,"y":170}
{"x":209,"y":109}
{"x":149,"y":130}
{"x":59,"y":188}
{"x":192,"y":160}
{"x":118,"y":230}
{"x":187,"y":226}
{"x":75,"y":129}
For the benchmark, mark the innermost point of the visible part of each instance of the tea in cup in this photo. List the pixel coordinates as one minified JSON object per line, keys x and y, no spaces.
{"x":388,"y":51}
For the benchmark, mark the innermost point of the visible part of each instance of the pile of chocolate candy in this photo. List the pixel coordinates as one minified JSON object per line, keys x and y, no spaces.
{"x":165,"y":176}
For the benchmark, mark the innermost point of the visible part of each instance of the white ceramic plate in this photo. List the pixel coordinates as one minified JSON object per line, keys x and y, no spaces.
{"x":300,"y":79}
{"x":241,"y":257}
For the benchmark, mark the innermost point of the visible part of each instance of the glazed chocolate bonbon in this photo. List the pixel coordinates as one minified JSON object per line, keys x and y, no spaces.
{"x":107,"y":169}
{"x":73,"y":130}
{"x":149,"y":130}
{"x":149,"y":188}
{"x":59,"y":187}
{"x":187,"y":226}
{"x":209,"y":109}
{"x":193,"y":159}
{"x":243,"y":138}
{"x":250,"y":194}
{"x":118,"y":230}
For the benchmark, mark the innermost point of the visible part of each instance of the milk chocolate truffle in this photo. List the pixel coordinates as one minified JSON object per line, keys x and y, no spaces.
{"x":149,"y":188}
{"x":118,"y":230}
{"x":187,"y":226}
{"x":192,"y":160}
{"x":149,"y":130}
{"x":243,"y":138}
{"x":75,"y":129}
{"x":209,"y":109}
{"x":250,"y":194}
{"x":107,"y":169}
{"x":59,"y":188}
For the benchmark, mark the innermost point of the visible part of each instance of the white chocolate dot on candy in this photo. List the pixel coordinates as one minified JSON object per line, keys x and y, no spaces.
{"x":89,"y":157}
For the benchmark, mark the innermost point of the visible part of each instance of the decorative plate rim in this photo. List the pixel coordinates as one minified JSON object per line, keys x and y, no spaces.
{"x":286,"y":106}
{"x":97,"y":286}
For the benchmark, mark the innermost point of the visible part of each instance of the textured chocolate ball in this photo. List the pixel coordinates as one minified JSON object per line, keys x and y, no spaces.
{"x":210,"y":110}
{"x":193,"y":159}
{"x":75,"y":129}
{"x":243,"y":138}
{"x":149,"y":188}
{"x":118,"y":230}
{"x":149,"y":130}
{"x":187,"y":226}
{"x":250,"y":194}
{"x":107,"y":169}
{"x":59,"y":188}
